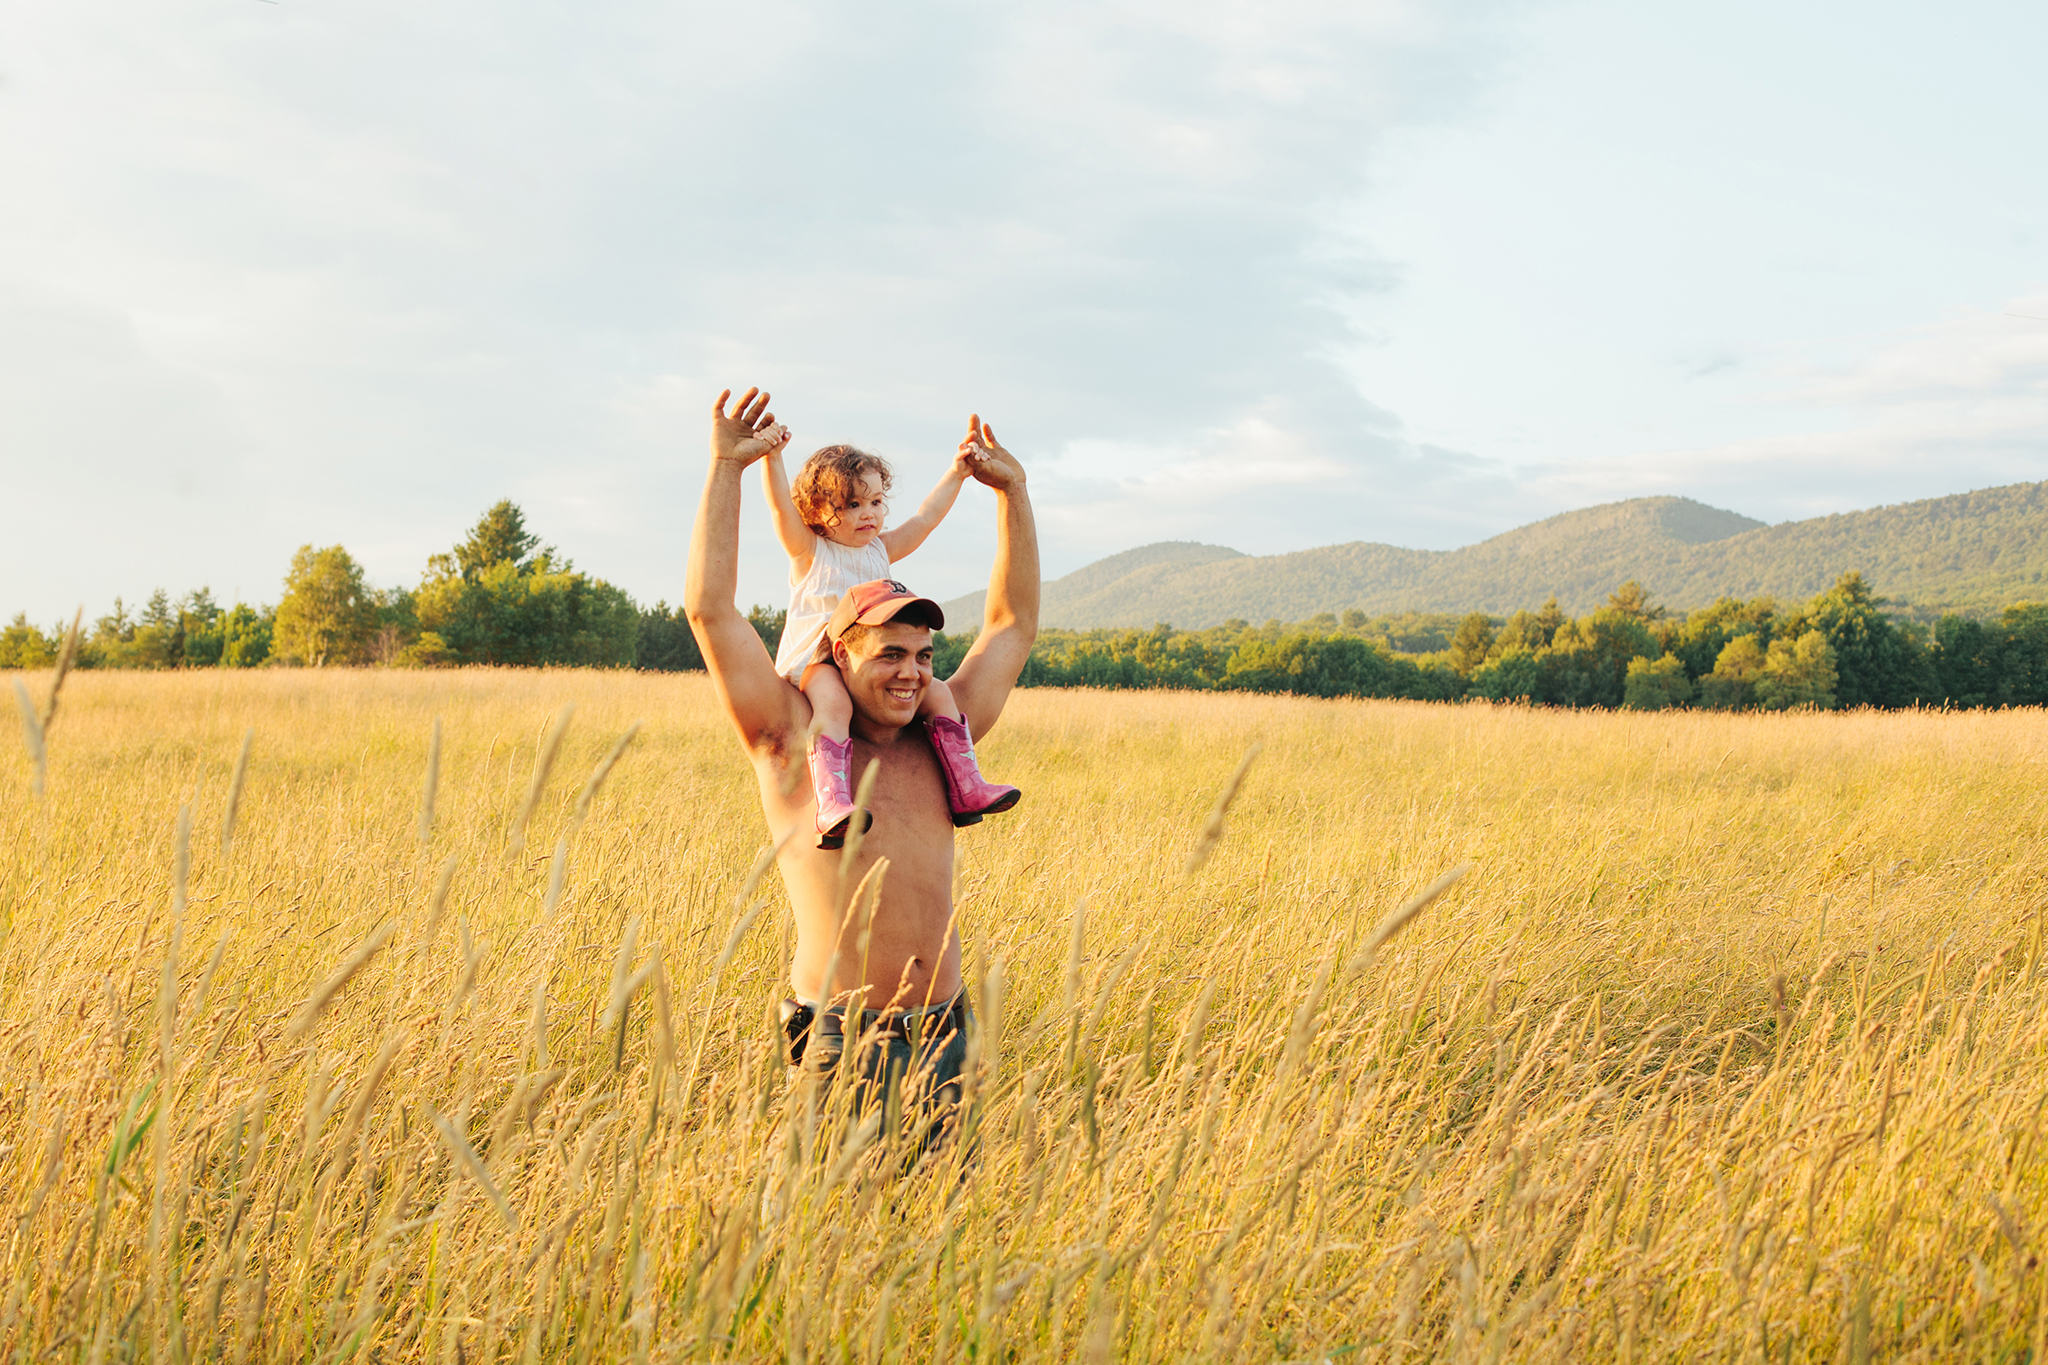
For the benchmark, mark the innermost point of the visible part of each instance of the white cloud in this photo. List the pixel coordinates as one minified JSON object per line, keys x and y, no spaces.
{"x":1956,"y":403}
{"x":417,"y":259}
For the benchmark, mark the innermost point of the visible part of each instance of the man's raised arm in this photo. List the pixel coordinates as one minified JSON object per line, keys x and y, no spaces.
{"x":1009,"y":623}
{"x":757,"y":700}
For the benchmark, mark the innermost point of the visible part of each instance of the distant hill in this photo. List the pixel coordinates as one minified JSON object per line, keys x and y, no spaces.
{"x":1969,"y":552}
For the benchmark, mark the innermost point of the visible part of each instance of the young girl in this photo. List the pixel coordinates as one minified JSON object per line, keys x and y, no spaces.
{"x":830,"y":522}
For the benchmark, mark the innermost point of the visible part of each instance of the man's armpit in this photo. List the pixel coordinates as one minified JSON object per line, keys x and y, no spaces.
{"x":767,"y":720}
{"x":777,"y":757}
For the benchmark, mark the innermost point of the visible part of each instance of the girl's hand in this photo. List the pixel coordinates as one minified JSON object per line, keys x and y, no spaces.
{"x":963,"y":462}
{"x":750,"y":432}
{"x":988,"y":462}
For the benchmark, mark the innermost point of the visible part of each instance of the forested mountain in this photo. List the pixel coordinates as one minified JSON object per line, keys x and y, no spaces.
{"x":1972,"y":552}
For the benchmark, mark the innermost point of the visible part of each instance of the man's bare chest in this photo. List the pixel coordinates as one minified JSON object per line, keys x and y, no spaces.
{"x":912,"y":829}
{"x":908,"y":787}
{"x":907,"y":796}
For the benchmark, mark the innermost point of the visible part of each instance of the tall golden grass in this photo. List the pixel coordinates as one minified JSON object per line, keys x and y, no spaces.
{"x":1731,"y":1044}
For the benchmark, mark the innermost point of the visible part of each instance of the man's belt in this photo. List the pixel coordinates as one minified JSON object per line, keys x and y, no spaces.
{"x":904,"y":1026}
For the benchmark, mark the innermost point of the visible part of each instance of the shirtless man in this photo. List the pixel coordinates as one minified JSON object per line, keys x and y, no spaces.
{"x":907,"y":980}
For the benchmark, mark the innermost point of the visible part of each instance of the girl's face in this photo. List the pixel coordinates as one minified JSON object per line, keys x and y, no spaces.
{"x":860,"y":516}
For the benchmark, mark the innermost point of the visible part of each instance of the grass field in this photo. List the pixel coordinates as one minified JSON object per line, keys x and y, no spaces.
{"x":1731,"y":1045}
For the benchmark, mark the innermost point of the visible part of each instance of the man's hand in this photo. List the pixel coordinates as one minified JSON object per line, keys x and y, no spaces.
{"x":987,"y":461}
{"x":749,"y":433}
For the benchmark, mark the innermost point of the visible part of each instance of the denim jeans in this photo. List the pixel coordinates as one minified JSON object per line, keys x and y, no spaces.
{"x":912,"y":1067}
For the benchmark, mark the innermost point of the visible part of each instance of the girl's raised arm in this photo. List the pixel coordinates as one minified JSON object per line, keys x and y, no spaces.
{"x":901,"y":540}
{"x":798,"y":540}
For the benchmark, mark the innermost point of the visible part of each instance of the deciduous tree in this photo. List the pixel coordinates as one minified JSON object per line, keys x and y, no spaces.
{"x":1731,"y":686}
{"x":1511,"y":675}
{"x":1798,"y":673}
{"x":327,"y":614}
{"x":1472,"y":643}
{"x":1877,"y":663}
{"x":1654,"y":684}
{"x":24,"y":646}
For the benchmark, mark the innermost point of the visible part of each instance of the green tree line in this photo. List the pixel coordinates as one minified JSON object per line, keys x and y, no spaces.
{"x":501,"y":597}
{"x":1837,"y":649}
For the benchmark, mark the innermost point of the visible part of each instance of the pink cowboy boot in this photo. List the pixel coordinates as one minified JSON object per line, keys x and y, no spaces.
{"x":832,"y":781}
{"x":970,"y":796}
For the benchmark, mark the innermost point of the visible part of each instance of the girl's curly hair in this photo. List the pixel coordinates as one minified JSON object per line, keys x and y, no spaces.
{"x":830,"y":478}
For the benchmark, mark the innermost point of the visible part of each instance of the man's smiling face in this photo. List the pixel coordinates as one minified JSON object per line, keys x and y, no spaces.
{"x":886,"y":669}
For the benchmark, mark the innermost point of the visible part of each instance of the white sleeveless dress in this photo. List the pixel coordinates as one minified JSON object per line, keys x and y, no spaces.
{"x":815,"y":596}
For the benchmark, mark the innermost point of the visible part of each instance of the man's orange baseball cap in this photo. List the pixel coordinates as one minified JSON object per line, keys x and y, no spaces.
{"x":884,"y":599}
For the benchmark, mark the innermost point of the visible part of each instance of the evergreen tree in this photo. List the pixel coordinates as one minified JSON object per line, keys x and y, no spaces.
{"x":199,"y":607}
{"x":665,"y":643}
{"x":499,"y":537}
{"x":116,"y":627}
{"x":1632,"y":599}
{"x":109,"y":644}
{"x":501,"y":598}
{"x":159,"y":638}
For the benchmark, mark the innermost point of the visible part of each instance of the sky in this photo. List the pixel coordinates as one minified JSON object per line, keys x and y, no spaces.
{"x":1269,"y":276}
